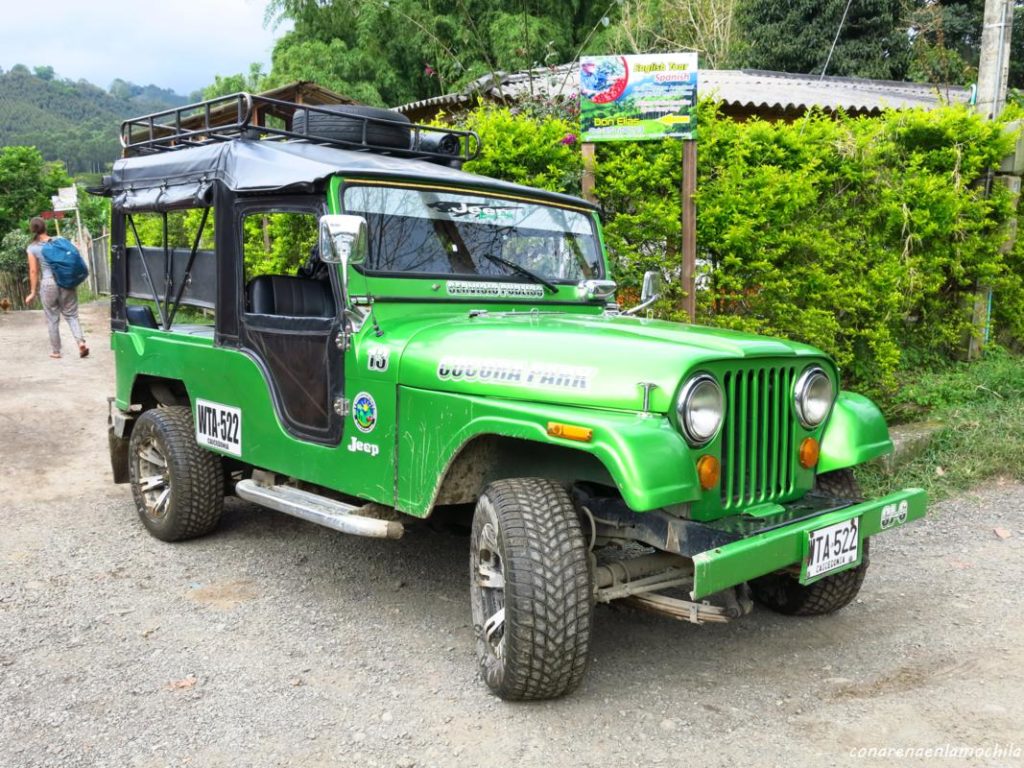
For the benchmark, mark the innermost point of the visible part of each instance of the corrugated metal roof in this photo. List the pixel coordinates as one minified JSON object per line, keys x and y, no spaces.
{"x":752,"y":90}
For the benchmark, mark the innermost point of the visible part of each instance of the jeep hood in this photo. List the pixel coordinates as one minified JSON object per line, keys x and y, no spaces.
{"x":591,"y":360}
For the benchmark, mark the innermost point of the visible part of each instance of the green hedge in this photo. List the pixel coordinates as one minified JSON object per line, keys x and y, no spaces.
{"x":866,"y":237}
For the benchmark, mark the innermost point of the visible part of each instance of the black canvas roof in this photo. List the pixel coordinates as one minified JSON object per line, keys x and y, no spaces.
{"x":185,"y":177}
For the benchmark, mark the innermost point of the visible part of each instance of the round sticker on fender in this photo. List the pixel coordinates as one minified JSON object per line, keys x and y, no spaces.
{"x":364,"y":412}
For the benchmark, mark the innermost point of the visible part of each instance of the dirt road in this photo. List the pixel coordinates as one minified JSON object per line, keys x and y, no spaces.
{"x":277,"y":643}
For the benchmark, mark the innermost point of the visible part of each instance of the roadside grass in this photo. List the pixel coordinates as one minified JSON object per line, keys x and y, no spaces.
{"x":981,"y":409}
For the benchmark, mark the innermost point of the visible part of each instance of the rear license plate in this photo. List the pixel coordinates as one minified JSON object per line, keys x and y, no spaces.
{"x":832,"y":548}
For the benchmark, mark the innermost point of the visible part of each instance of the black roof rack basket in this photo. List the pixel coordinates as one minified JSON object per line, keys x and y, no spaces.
{"x":245,"y":115}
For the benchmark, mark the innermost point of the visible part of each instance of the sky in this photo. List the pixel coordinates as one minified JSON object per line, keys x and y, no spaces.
{"x":177,"y":44}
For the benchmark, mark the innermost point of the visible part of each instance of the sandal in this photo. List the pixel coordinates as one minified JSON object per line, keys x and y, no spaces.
{"x":83,"y":351}
{"x":55,"y":355}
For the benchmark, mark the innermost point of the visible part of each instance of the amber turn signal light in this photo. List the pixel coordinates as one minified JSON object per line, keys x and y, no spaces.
{"x":809,"y":453}
{"x":570,"y":432}
{"x":708,"y":472}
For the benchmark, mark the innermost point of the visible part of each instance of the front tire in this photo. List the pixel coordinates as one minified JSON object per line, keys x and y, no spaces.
{"x":178,"y":486}
{"x":783,"y":593}
{"x":531,"y":590}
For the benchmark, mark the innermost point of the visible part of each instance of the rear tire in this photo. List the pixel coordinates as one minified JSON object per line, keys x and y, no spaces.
{"x":178,"y":486}
{"x":531,"y":590}
{"x":783,"y":592}
{"x":344,"y":125}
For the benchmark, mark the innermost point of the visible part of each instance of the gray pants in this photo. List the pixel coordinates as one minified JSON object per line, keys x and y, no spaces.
{"x":59,"y":301}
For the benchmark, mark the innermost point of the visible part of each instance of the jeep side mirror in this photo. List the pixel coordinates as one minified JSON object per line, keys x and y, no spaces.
{"x":652,"y":286}
{"x":342,"y":240}
{"x":649,"y":293}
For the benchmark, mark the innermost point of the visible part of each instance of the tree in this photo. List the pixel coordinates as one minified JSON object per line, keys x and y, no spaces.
{"x":94,"y":212}
{"x":253,"y":82}
{"x":946,"y":41}
{"x":24,"y":191}
{"x":402,"y":50}
{"x":650,"y":26}
{"x":796,"y":35}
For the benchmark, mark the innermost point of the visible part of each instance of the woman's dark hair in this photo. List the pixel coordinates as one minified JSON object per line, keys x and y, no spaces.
{"x":37,"y":226}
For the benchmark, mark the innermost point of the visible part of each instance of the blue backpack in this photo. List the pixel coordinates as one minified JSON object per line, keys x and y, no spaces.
{"x":65,"y":262}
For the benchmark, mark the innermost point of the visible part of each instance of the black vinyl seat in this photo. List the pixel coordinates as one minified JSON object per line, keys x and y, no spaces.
{"x":140,"y":315}
{"x":290,"y":296}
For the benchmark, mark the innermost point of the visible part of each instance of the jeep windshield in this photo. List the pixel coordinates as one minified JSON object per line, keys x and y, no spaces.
{"x":435,"y":233}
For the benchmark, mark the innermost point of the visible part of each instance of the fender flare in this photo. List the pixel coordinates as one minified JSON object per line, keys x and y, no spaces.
{"x":856,"y":432}
{"x":645,"y":456}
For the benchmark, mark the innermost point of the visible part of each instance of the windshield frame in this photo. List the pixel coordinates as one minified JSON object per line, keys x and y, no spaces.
{"x":583,"y":209}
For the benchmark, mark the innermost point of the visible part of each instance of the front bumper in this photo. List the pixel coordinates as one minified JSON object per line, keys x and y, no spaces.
{"x":781,"y":546}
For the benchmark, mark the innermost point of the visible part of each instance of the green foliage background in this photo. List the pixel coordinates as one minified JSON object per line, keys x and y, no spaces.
{"x":867,"y":237}
{"x":398,"y":51}
{"x":74,"y":122}
{"x":402,"y":50}
{"x":796,"y":35}
{"x":278,"y":243}
{"x":26,"y":184}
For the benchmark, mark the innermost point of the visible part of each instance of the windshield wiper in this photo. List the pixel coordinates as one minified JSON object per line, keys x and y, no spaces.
{"x":523,"y":271}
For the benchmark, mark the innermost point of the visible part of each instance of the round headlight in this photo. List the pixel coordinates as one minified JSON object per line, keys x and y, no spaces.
{"x":813,"y":397}
{"x":700,"y":409}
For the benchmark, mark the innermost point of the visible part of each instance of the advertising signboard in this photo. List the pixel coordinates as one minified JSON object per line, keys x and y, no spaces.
{"x":66,"y":199}
{"x":638,"y":98}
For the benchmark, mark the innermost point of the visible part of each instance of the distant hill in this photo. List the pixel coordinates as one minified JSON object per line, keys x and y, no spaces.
{"x":76,"y":122}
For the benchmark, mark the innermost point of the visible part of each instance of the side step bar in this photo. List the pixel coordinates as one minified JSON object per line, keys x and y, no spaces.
{"x":318,"y":509}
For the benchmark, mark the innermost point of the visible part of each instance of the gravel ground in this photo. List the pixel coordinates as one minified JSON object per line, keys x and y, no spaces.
{"x":273,"y":642}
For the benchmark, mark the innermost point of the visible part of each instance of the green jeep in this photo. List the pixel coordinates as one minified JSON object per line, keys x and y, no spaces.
{"x":381,"y":337}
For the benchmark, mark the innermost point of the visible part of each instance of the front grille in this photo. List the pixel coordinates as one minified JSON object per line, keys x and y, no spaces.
{"x":758,"y":455}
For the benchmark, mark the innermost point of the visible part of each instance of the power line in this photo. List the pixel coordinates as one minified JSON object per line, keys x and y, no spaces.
{"x":835,"y":40}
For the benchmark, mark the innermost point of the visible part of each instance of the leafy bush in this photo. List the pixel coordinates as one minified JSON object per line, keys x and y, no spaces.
{"x":277,"y":243}
{"x":539,"y":152}
{"x":867,"y":237}
{"x":13,"y":260}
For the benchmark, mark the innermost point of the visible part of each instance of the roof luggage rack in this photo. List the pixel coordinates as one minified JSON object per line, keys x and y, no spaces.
{"x":245,"y":115}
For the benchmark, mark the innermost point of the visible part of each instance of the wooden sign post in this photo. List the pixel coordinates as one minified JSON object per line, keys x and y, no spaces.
{"x":689,"y":226}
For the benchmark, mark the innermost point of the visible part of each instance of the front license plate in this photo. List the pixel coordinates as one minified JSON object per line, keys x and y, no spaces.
{"x":832,"y":548}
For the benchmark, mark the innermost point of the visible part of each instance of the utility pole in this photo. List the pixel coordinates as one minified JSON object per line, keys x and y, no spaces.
{"x":994,"y":66}
{"x":993,"y":74}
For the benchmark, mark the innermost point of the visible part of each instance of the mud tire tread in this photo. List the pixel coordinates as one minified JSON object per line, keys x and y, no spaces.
{"x":196,"y":476}
{"x":548,"y":590}
{"x":784,"y":594}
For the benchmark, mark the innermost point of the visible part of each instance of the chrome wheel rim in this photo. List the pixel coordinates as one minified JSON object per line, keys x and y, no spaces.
{"x":489,"y":580}
{"x":154,"y":479}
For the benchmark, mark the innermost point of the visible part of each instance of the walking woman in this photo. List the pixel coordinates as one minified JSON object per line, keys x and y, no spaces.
{"x":57,"y":301}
